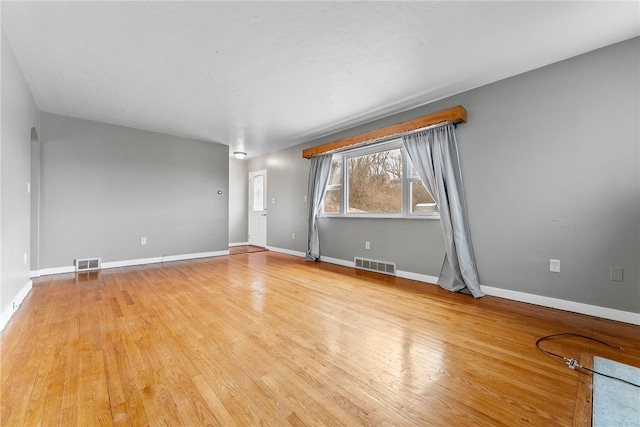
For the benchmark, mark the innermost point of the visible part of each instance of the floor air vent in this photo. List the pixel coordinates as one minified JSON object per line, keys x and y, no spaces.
{"x":88,"y":264}
{"x":377,"y":266}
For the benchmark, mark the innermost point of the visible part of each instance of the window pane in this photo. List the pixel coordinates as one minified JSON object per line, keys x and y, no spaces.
{"x":335,"y":177}
{"x":421,"y":200}
{"x":258,"y":193}
{"x":332,"y":201}
{"x":375,"y":182}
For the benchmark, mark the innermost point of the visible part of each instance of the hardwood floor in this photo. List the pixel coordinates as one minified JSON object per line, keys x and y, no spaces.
{"x":245,"y":249}
{"x":270,"y":339}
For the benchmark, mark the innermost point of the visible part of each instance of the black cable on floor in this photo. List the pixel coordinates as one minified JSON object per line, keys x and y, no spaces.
{"x":573,"y":363}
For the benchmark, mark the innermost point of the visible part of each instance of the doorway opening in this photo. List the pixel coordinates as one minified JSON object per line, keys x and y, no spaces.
{"x":258,"y":208}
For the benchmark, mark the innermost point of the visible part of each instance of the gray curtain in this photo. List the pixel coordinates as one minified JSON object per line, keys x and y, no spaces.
{"x":434,"y":154}
{"x":318,"y":177}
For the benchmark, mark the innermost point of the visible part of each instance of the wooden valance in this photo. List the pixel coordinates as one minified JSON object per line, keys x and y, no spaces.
{"x":455,"y":114}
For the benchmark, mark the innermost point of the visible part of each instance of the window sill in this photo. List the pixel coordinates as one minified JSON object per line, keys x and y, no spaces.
{"x":412,"y":217}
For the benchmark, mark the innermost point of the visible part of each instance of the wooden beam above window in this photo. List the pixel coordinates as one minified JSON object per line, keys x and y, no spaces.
{"x":455,"y":114}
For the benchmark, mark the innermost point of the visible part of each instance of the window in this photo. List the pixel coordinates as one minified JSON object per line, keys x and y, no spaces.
{"x":376,"y":181}
{"x":420,"y":201}
{"x":258,"y":193}
{"x":334,"y":188}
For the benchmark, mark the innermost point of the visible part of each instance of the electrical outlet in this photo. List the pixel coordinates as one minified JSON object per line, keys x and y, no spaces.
{"x":367,"y":245}
{"x":293,"y":236}
{"x":615,"y":274}
{"x":273,"y":200}
{"x":143,"y":240}
{"x":554,"y":265}
{"x":14,"y":306}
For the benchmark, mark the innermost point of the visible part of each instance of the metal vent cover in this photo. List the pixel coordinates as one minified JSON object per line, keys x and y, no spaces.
{"x":88,"y":264}
{"x":374,"y":265}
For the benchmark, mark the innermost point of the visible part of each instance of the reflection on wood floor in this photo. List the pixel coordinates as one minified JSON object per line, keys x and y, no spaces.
{"x":245,"y":249}
{"x":273,"y":340}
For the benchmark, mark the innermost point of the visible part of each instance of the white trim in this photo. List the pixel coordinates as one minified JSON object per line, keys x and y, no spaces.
{"x":286,"y":251}
{"x":8,"y":312}
{"x":576,"y":307}
{"x":337,"y":261}
{"x":238,"y":244}
{"x":399,"y":273}
{"x":559,"y":304}
{"x":132,"y":262}
{"x":166,"y":258}
{"x":433,"y":280}
{"x":54,"y":270}
{"x":195,"y":256}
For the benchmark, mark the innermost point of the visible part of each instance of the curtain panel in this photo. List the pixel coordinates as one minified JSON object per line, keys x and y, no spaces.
{"x":434,"y":154}
{"x":318,"y":178}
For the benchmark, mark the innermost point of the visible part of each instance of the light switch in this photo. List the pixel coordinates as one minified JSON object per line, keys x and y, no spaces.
{"x":615,"y":274}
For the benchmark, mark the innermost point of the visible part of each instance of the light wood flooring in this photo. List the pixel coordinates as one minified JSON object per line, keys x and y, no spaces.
{"x":245,"y":249}
{"x":270,"y":339}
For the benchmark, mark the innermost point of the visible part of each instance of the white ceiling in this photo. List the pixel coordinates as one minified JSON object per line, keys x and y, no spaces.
{"x":261,"y":76}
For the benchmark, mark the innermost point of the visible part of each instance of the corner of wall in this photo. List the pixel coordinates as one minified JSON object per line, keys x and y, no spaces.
{"x":8,"y":312}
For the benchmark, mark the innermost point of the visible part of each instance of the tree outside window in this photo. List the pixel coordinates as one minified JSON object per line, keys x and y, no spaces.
{"x":376,"y":182}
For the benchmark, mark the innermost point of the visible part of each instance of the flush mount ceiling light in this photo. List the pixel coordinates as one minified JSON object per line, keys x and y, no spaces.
{"x":240,"y":154}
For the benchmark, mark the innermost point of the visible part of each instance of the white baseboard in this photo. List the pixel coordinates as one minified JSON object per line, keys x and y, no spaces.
{"x":166,"y":258}
{"x":404,"y":274}
{"x":53,"y":270}
{"x":576,"y":307}
{"x":132,"y":262}
{"x":8,"y":312}
{"x":238,"y":244}
{"x":337,"y":261}
{"x":287,"y":251}
{"x":419,"y":277}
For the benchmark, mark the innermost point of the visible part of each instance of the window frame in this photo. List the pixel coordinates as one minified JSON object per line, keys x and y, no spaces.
{"x":407,"y":179}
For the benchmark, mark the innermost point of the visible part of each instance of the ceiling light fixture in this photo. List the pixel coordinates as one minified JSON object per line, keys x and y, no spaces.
{"x":240,"y":154}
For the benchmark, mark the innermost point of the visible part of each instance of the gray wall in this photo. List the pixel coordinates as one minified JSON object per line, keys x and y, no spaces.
{"x":238,"y":200}
{"x":19,"y":116}
{"x":551,"y":168}
{"x":104,"y":187}
{"x":287,"y":178}
{"x":550,"y":161}
{"x":391,"y":240}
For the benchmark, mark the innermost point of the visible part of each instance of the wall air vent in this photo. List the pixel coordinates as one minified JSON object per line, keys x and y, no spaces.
{"x":88,"y":264}
{"x":377,"y":266}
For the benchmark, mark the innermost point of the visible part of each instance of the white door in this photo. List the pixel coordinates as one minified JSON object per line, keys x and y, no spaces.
{"x":258,"y":208}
